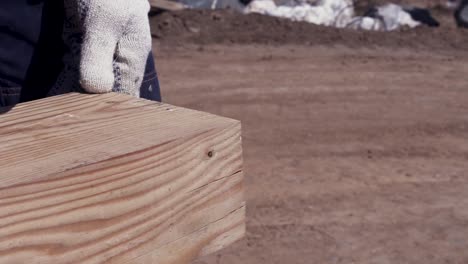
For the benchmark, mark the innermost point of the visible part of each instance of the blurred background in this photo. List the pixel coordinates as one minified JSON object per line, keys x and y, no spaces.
{"x":355,"y":134}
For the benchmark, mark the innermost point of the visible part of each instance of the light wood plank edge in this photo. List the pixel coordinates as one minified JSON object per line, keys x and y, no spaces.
{"x":166,"y":5}
{"x":51,"y":119}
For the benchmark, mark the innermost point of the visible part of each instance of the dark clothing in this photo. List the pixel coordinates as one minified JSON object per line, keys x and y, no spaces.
{"x":31,"y":48}
{"x":20,"y":27}
{"x":150,"y":86}
{"x":31,"y":51}
{"x":9,"y":93}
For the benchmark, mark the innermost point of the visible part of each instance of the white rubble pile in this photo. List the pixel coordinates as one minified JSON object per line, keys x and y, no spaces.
{"x":327,"y":12}
{"x":337,"y":13}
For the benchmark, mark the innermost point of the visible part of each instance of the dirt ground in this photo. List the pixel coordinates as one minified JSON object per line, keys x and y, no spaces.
{"x":356,"y":149}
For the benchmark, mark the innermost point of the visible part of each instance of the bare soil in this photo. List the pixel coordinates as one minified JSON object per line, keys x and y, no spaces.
{"x":356,"y":143}
{"x":228,"y":27}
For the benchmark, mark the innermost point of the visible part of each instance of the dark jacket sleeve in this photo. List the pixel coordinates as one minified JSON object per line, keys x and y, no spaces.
{"x":31,"y":48}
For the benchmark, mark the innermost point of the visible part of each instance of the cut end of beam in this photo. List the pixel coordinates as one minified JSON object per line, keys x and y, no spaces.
{"x":114,"y":179}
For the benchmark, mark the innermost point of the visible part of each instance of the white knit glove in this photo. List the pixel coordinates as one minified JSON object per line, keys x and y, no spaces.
{"x":109,"y":42}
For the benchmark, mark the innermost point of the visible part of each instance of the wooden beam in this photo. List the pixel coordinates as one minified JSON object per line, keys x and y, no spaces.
{"x":166,"y":5}
{"x":114,"y":179}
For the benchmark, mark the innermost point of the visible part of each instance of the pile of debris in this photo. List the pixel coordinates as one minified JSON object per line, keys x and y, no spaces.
{"x":461,"y":12}
{"x":334,"y":13}
{"x":341,"y":14}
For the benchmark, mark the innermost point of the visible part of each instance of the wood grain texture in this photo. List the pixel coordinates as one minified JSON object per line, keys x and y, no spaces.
{"x":113,"y":179}
{"x":166,"y":5}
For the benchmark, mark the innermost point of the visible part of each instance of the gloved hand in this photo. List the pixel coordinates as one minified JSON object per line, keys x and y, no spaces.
{"x":108,"y":45}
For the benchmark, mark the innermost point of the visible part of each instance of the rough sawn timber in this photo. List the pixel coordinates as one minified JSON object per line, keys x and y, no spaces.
{"x":114,"y":179}
{"x":166,"y":5}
